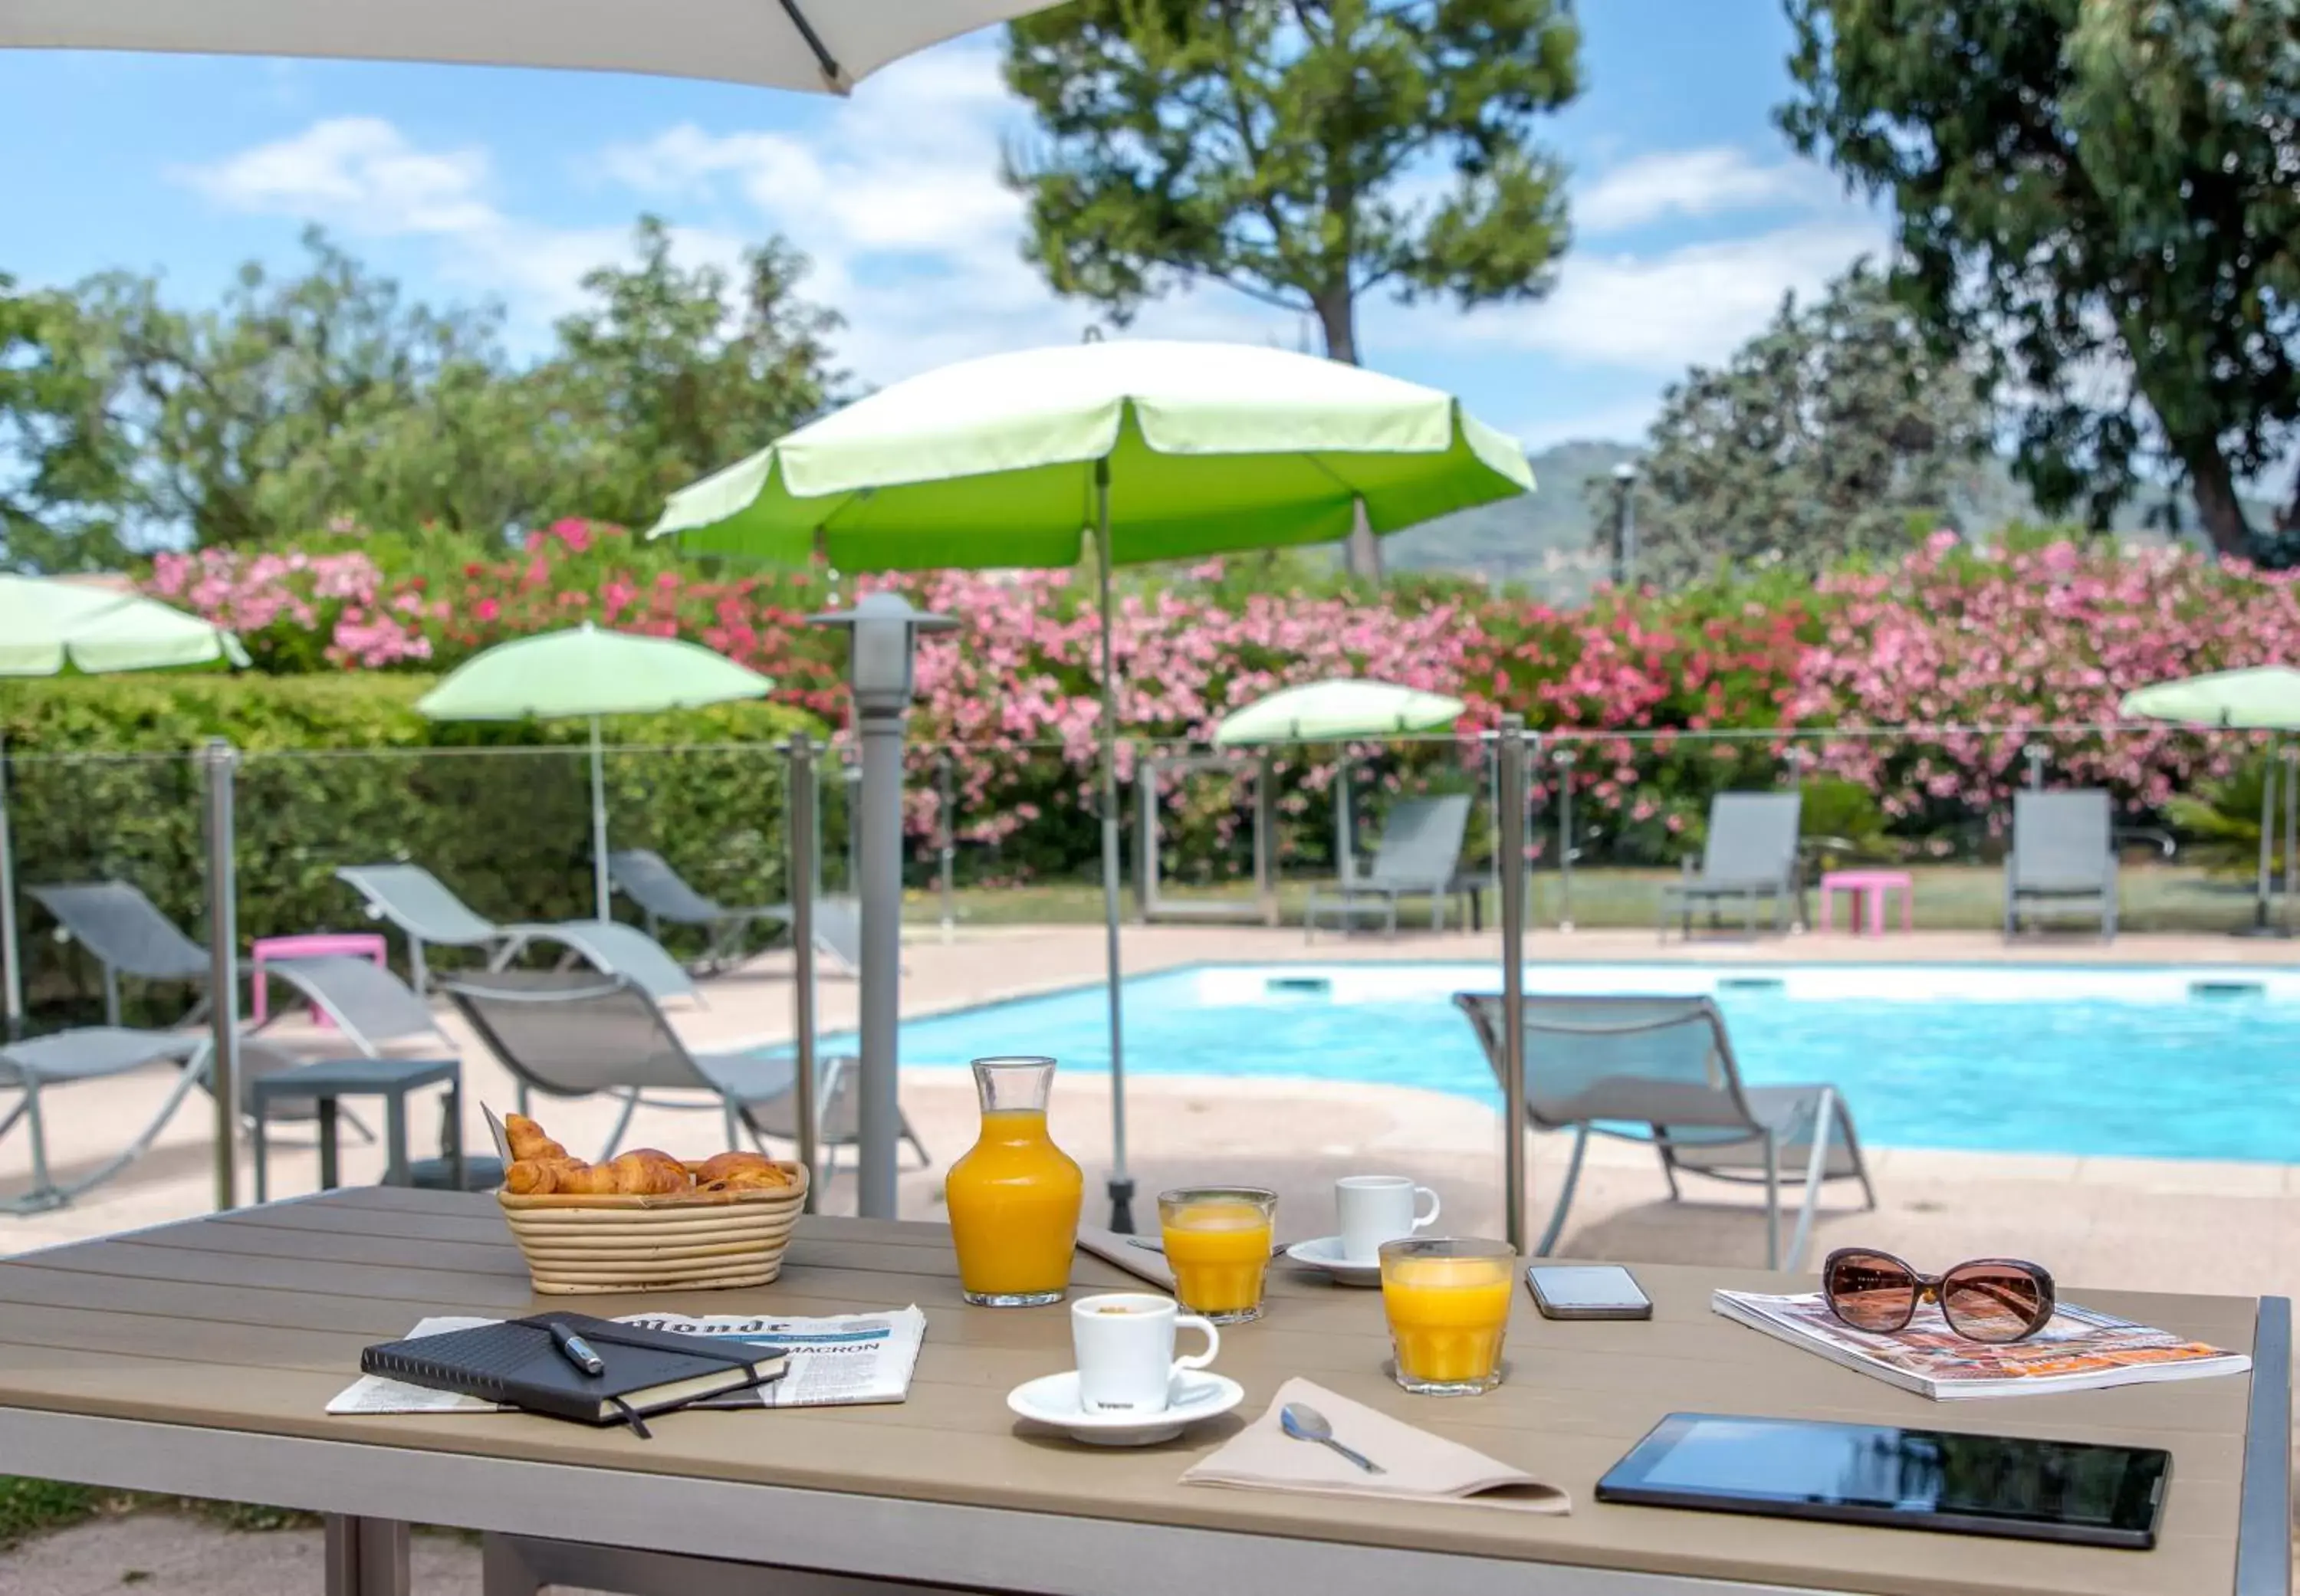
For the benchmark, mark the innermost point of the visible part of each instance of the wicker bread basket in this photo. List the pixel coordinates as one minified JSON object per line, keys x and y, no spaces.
{"x":693,"y":1242}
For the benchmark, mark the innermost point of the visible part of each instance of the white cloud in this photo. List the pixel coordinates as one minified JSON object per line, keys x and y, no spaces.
{"x":1661,"y":312}
{"x":357,"y":172}
{"x":1700,"y":182}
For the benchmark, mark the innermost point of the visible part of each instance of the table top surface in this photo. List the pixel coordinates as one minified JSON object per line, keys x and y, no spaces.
{"x":348,"y":1077}
{"x":251,"y":1321}
{"x":1865,"y":878}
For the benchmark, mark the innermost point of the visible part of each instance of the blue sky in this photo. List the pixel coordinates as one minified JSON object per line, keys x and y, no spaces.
{"x":1691,"y":215}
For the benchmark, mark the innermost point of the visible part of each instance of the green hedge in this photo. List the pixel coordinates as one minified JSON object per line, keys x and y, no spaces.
{"x":338,"y":770}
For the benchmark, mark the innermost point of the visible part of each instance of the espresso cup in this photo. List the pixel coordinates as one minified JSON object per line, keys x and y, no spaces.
{"x":1125,"y":1342}
{"x":1374,"y":1209}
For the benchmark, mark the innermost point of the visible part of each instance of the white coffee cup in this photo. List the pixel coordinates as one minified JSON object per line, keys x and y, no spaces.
{"x":1374,"y":1209}
{"x":1125,"y":1342}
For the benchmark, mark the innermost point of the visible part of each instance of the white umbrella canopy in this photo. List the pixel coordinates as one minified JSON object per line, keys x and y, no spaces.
{"x":826,"y":45}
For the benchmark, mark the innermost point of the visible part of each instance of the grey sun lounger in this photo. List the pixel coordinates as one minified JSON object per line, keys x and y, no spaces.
{"x":373,"y":1011}
{"x":1419,"y":855}
{"x":1749,"y":855}
{"x":414,"y":900}
{"x":1661,"y":1069}
{"x":573,"y":1034}
{"x":2063,"y":859}
{"x":127,"y":935}
{"x":661,"y":893}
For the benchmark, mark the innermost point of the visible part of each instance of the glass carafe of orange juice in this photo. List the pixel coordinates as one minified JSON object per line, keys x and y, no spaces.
{"x":1014,"y":1197}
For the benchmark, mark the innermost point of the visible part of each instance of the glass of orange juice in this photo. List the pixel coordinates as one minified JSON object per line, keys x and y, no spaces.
{"x":1448,"y":1302}
{"x":1217,"y":1242}
{"x":1014,"y":1196}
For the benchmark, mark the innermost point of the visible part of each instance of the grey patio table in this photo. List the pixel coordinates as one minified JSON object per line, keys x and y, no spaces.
{"x":196,"y":1358}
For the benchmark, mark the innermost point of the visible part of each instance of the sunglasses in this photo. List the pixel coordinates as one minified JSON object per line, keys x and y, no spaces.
{"x":1989,"y":1298}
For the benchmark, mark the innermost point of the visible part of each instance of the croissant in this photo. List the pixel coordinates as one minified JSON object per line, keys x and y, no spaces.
{"x":643,"y":1173}
{"x":737,"y":1171}
{"x":528,"y":1142}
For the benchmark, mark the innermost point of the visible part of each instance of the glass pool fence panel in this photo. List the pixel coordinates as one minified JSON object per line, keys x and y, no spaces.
{"x":1023,"y":834}
{"x":1622,"y":812}
{"x":83,"y":818}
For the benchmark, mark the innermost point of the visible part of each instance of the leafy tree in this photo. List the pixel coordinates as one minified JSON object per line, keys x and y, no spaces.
{"x":61,"y":473}
{"x":1818,"y":439}
{"x":675,"y":372}
{"x":2103,"y":194}
{"x":1306,"y":153}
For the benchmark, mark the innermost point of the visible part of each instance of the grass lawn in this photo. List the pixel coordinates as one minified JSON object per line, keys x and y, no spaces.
{"x":1948,"y":898}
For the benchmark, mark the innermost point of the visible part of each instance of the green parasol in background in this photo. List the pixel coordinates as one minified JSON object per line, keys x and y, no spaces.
{"x":2257,"y":698}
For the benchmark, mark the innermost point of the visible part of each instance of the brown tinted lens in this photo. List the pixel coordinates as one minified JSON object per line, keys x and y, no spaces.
{"x":1869,"y":1291}
{"x":1992,"y":1302}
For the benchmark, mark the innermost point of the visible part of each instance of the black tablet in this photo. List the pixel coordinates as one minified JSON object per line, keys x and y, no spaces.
{"x":1911,"y":1479}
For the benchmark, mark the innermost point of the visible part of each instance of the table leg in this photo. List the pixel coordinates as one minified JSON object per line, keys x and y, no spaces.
{"x":395,"y":1139}
{"x":255,"y":1145}
{"x":1876,"y":911}
{"x":366,"y":1556}
{"x":456,"y":1169}
{"x":1827,"y":896}
{"x":327,"y":1145}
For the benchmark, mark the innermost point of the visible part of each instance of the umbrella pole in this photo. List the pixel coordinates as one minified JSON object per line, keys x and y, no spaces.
{"x":2267,"y":838}
{"x":1122,"y":1184}
{"x":598,"y":823}
{"x":10,"y":952}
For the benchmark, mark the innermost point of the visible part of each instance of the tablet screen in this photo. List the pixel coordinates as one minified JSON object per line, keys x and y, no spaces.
{"x":1882,"y":1474}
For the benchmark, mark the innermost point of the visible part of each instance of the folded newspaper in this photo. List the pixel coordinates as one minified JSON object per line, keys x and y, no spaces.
{"x":2080,"y":1349}
{"x":841,"y":1360}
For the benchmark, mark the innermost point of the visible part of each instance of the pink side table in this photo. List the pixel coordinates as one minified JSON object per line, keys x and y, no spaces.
{"x":1879,"y":885}
{"x":356,"y":944}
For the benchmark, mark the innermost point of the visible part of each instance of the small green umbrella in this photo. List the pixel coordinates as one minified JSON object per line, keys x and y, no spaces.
{"x":588,"y":672}
{"x":1158,"y":450}
{"x":1332,"y":711}
{"x":48,"y":626}
{"x":2258,"y":698}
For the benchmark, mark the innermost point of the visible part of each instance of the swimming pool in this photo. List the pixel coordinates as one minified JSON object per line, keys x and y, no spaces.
{"x":2146,"y":1061}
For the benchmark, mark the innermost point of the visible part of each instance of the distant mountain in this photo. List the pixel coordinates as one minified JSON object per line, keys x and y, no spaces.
{"x":1547,"y":541}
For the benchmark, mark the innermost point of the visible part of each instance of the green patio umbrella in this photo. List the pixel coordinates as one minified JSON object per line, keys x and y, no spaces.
{"x":589,"y":672}
{"x":1333,"y":712}
{"x":1156,"y":450}
{"x":2258,"y":698}
{"x":49,"y":626}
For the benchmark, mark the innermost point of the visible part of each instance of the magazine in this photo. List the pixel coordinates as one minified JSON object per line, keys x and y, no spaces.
{"x":841,"y":1360}
{"x":2080,"y":1349}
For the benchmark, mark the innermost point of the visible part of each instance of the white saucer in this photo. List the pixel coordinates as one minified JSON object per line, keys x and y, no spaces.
{"x":1325,"y":1253}
{"x":1197,"y":1394}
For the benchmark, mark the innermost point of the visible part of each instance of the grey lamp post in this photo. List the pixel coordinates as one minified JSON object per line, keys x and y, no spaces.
{"x":882,"y":634}
{"x":1625,"y":524}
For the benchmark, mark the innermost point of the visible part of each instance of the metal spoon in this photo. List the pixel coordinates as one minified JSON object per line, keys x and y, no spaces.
{"x":1305,"y":1423}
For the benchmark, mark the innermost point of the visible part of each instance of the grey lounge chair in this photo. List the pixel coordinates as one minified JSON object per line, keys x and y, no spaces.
{"x":661,"y":893}
{"x":572,"y":1032}
{"x":414,"y":899}
{"x":1418,"y":856}
{"x":372,"y":1009}
{"x":1661,"y":1069}
{"x":1749,"y":855}
{"x":127,"y":935}
{"x":2063,"y":859}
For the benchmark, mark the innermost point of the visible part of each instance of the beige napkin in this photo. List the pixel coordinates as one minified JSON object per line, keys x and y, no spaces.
{"x":1114,"y":1249}
{"x":1422,"y":1467}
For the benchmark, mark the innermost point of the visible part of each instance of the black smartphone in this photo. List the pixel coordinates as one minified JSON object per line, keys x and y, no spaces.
{"x":1587,"y":1292}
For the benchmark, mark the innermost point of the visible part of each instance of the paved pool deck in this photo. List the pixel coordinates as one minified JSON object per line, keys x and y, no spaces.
{"x":2095,"y":1221}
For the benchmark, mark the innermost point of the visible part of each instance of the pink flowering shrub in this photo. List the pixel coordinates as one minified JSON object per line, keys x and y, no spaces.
{"x":1958,"y":662}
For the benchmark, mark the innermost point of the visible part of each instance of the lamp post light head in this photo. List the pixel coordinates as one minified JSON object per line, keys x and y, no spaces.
{"x":882,"y":633}
{"x":1625,"y":473}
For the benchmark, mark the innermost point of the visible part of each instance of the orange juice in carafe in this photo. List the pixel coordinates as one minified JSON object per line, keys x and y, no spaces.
{"x":1014,"y":1197}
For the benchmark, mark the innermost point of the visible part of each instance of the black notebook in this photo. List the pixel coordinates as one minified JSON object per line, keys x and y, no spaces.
{"x":518,"y":1363}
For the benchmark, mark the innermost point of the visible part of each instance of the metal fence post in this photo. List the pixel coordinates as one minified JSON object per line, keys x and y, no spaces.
{"x":946,"y":805}
{"x":1563,"y":760}
{"x":11,"y":949}
{"x":223,"y":971}
{"x":1266,"y":835}
{"x":804,"y":853}
{"x":1511,"y":753}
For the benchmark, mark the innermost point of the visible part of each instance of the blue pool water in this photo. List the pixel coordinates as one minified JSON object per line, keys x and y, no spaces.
{"x":2148,"y":1063}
